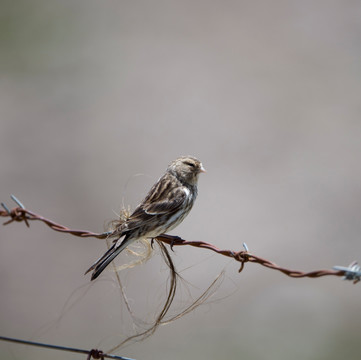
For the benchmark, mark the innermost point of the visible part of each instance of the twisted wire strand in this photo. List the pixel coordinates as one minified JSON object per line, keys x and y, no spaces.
{"x":21,"y":214}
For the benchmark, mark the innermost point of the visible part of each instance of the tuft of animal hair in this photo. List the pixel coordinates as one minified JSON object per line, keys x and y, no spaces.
{"x":171,"y":292}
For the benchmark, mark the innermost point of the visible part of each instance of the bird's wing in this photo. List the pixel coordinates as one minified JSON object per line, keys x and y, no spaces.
{"x":171,"y":203}
{"x":148,"y":210}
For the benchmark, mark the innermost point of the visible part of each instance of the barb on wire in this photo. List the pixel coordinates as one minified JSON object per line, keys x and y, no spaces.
{"x":17,"y":201}
{"x":92,"y":354}
{"x":352,"y":272}
{"x":6,"y":209}
{"x":20,"y":213}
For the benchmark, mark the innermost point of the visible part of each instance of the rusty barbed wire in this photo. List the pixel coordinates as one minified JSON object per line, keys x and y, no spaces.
{"x":20,"y":213}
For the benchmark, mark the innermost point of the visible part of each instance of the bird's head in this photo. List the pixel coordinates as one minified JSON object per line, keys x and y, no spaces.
{"x":186,"y":169}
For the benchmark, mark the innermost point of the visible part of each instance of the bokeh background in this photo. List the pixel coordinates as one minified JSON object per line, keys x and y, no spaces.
{"x":98,"y":96}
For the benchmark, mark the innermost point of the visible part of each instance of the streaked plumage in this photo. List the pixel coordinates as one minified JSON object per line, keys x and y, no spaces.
{"x":166,"y":205}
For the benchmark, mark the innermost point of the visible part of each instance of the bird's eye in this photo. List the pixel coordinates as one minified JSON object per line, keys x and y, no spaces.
{"x":190,"y":164}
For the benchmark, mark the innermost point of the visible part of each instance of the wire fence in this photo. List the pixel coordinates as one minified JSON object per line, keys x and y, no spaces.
{"x":21,"y":214}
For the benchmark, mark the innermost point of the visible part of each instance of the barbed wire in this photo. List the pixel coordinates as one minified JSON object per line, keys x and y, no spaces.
{"x":92,"y":354}
{"x":21,"y":214}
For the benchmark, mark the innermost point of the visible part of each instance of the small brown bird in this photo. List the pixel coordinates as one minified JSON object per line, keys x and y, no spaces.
{"x":168,"y":202}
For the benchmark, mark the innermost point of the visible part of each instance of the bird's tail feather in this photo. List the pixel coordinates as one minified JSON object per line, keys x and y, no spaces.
{"x":107,"y":258}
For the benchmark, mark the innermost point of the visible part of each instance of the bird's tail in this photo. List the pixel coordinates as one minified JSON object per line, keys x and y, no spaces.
{"x":108,"y":257}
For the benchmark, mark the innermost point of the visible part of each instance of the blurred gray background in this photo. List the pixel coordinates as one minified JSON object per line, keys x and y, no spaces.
{"x":97,"y":97}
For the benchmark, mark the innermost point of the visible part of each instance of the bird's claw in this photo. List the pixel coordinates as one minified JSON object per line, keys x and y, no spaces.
{"x":174,"y":240}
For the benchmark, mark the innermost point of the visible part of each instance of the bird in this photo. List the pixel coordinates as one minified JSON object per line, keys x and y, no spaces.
{"x":165,"y":206}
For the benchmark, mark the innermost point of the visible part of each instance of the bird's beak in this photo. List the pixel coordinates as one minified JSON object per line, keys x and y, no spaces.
{"x":202,"y":170}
